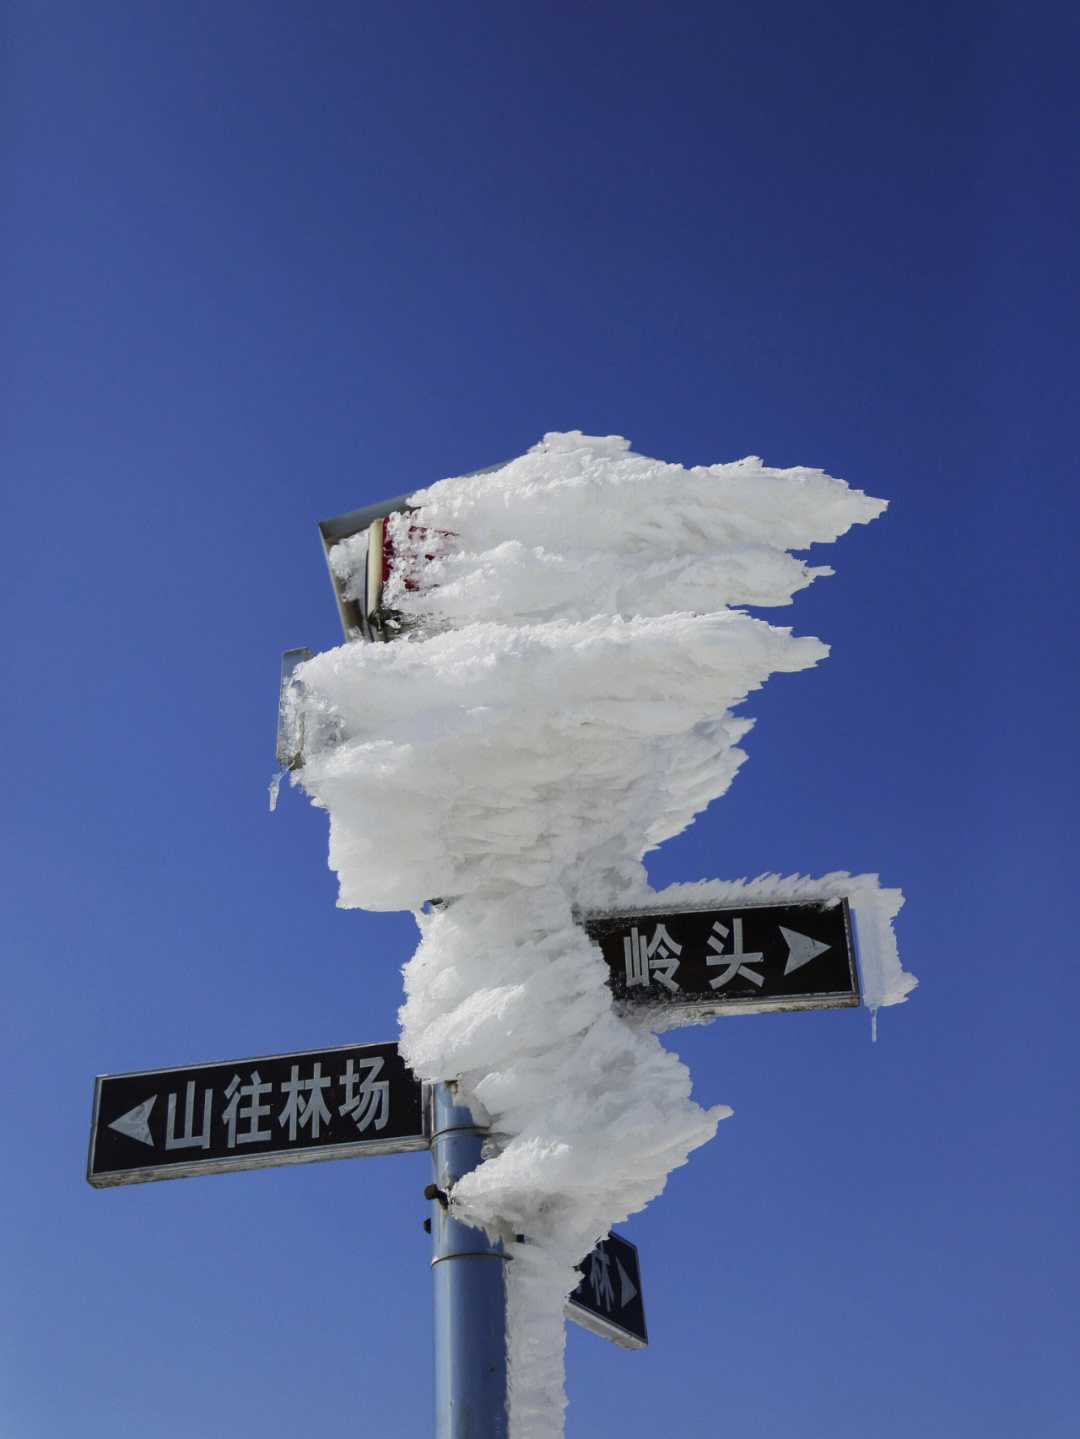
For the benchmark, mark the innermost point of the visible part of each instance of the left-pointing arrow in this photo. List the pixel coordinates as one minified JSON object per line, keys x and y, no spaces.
{"x":134,"y":1122}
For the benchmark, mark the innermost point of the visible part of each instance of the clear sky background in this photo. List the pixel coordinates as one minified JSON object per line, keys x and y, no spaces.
{"x":266,"y":263}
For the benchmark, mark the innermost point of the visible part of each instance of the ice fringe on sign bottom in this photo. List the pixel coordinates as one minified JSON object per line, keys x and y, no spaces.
{"x":524,"y":764}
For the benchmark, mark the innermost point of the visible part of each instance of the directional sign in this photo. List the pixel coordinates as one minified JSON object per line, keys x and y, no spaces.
{"x":608,"y":1299}
{"x":693,"y":964}
{"x":251,"y":1113}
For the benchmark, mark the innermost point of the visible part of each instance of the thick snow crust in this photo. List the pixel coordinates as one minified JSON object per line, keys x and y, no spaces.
{"x":562,"y":703}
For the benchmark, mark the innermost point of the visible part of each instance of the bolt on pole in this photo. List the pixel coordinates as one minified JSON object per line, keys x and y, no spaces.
{"x":470,"y":1290}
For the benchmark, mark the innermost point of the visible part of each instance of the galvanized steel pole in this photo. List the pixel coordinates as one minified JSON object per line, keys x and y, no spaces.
{"x":470,"y":1291}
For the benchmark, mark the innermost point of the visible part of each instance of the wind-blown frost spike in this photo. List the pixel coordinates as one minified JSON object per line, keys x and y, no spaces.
{"x":598,"y":497}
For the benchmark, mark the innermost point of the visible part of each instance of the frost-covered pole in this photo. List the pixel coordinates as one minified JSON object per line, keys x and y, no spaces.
{"x":470,"y":1293}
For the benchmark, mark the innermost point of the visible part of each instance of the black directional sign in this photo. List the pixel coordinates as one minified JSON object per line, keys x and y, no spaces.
{"x":696,"y":963}
{"x":251,"y":1113}
{"x":608,"y":1299}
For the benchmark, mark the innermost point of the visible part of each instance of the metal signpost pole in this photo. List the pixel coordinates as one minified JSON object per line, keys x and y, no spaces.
{"x":470,"y":1290}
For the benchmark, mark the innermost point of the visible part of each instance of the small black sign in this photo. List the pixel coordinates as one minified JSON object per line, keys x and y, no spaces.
{"x":251,"y":1113}
{"x":704,"y":962}
{"x":608,"y":1299}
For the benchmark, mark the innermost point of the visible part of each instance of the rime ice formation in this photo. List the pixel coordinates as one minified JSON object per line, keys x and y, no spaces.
{"x":562,"y":702}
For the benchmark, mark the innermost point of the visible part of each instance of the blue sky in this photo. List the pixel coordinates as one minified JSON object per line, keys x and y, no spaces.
{"x":264,"y":264}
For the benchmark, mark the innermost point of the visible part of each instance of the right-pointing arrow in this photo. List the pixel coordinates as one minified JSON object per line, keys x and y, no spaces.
{"x":134,"y":1124}
{"x":801,"y":949}
{"x":626,"y":1286}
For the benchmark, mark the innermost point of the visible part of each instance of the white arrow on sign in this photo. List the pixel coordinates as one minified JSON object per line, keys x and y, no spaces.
{"x":626,"y":1284}
{"x":801,"y":949}
{"x":134,"y":1124}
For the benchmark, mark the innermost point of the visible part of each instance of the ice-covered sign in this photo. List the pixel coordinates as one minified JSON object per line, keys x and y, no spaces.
{"x":608,"y":1298}
{"x":704,"y":962}
{"x":566,"y":694}
{"x":251,"y":1113}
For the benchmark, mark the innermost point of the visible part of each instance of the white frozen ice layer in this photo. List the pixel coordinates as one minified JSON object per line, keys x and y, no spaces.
{"x":564,"y":700}
{"x":581,"y":526}
{"x":589,"y":1115}
{"x":558,"y":753}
